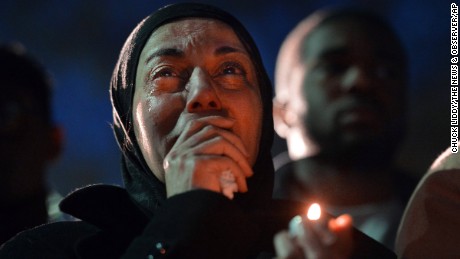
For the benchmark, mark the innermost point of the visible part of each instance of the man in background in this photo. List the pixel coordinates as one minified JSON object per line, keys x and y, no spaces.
{"x":341,"y":81}
{"x":29,"y":142}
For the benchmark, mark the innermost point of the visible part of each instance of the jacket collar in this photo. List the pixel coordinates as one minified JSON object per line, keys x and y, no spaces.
{"x":106,"y":207}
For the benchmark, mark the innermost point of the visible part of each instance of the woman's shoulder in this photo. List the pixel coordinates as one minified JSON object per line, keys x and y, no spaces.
{"x":53,"y":240}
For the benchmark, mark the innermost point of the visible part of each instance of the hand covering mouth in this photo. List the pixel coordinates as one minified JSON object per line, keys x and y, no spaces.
{"x":194,"y":123}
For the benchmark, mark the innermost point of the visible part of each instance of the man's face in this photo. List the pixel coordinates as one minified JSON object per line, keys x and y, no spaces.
{"x":353,"y":85}
{"x":190,"y":69}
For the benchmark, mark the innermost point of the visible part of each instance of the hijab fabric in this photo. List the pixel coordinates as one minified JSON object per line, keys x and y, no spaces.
{"x":142,"y":185}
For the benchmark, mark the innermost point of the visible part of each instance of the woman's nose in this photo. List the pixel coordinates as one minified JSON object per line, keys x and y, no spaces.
{"x":202,"y":95}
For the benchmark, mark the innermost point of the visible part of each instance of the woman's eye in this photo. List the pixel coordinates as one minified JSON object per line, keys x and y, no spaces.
{"x":232,"y":69}
{"x":166,"y":79}
{"x":231,"y":75}
{"x":165,"y":72}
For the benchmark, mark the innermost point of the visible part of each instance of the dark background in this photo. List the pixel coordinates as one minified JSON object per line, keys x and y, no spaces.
{"x":79,"y":42}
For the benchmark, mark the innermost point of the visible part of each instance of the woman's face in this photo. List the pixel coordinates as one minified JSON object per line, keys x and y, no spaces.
{"x":192,"y":69}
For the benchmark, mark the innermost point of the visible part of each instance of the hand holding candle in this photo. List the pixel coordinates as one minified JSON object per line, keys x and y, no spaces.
{"x":320,"y":224}
{"x":314,"y":235}
{"x":312,"y":221}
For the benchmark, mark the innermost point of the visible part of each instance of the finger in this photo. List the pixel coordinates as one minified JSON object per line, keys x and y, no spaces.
{"x":285,"y":246}
{"x":228,"y":184}
{"x":310,"y":240}
{"x":218,"y":121}
{"x":211,"y":131}
{"x":221,"y":147}
{"x":195,"y":125}
{"x":237,"y":175}
{"x":342,"y":223}
{"x":191,"y":137}
{"x":208,"y":169}
{"x":187,"y":172}
{"x":342,"y":226}
{"x":231,"y":137}
{"x":187,"y":127}
{"x":220,"y":144}
{"x":191,"y":170}
{"x":242,"y":184}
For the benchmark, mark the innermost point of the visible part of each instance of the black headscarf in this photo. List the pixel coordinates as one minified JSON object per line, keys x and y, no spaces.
{"x":139,"y":180}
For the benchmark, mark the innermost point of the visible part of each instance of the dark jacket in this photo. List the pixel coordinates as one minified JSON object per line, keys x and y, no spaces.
{"x":197,"y":224}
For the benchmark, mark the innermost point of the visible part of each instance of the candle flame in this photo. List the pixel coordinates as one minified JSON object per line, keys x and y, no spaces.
{"x":314,"y":212}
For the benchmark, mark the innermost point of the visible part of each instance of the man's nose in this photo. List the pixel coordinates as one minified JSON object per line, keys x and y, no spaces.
{"x":202,"y":95}
{"x":356,"y":78}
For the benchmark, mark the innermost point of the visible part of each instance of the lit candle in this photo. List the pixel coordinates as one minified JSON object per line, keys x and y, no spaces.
{"x":320,"y":224}
{"x":314,"y":212}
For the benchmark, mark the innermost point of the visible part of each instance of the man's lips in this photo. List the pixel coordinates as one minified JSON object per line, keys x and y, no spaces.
{"x":360,"y":116}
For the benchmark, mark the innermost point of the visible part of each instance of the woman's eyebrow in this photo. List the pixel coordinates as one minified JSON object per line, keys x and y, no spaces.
{"x":170,"y":52}
{"x":227,"y":49}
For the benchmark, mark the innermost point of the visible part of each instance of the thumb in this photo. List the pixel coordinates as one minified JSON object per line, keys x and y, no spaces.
{"x":342,"y":227}
{"x":343,"y":223}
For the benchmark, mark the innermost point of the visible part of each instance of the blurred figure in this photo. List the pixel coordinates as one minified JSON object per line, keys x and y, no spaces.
{"x":430,"y":227}
{"x":341,"y":81}
{"x":30,"y":141}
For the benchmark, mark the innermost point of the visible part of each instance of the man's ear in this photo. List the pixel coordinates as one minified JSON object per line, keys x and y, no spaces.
{"x":56,"y":142}
{"x":282,"y":118}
